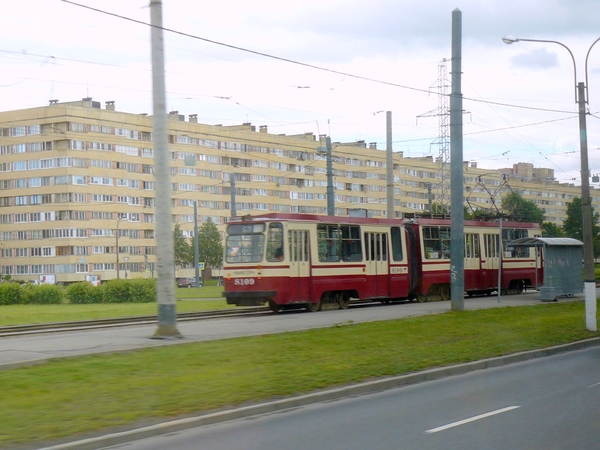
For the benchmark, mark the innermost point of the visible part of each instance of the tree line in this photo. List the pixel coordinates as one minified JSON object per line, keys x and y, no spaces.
{"x":210,"y":246}
{"x":515,"y":207}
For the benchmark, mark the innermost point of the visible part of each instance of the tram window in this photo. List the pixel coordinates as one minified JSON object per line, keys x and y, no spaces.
{"x":275,"y":242}
{"x":491,"y":245}
{"x":370,"y":246}
{"x":351,"y":244}
{"x":298,"y":240}
{"x":376,"y":246}
{"x":436,"y":242}
{"x":396,"y":233}
{"x":328,"y":242}
{"x":244,"y":248}
{"x":383,"y":252}
{"x":509,"y":235}
{"x":471,"y":245}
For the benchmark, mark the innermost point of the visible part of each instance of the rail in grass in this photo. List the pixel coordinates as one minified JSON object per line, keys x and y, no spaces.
{"x":309,"y":260}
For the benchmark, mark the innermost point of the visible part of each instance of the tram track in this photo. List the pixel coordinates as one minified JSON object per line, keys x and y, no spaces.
{"x":86,"y":325}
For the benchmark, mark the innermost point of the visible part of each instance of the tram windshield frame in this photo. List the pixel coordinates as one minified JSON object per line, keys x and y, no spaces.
{"x":245,"y":243}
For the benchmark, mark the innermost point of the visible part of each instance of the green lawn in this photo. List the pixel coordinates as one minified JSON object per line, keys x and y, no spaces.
{"x":93,"y":393}
{"x":192,"y":299}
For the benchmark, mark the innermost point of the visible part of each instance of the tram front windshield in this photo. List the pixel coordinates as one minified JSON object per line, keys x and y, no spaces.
{"x":245,"y":243}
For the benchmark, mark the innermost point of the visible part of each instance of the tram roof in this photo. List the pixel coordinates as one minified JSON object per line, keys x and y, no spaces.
{"x":316,"y":218}
{"x":373,"y":220}
{"x":539,"y":241}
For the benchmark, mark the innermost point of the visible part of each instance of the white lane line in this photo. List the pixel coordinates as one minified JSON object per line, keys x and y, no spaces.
{"x":593,"y":385}
{"x":472,"y":419}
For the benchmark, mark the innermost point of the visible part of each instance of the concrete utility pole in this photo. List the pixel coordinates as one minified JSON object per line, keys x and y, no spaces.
{"x":165,"y":287}
{"x":196,"y":257}
{"x":430,"y":199}
{"x":389,"y":165}
{"x":117,"y":244}
{"x":330,"y":191}
{"x":232,"y":182}
{"x":586,"y":215}
{"x":457,"y":218}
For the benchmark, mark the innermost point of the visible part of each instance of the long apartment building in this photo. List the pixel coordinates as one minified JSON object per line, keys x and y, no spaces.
{"x":77,"y":198}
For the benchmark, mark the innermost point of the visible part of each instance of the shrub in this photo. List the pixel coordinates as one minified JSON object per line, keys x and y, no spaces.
{"x":142,"y":290}
{"x":11,"y":294}
{"x":116,"y":291}
{"x":83,"y":293}
{"x":43,"y":294}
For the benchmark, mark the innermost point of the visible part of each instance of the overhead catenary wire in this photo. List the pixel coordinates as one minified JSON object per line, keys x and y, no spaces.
{"x":300,"y":63}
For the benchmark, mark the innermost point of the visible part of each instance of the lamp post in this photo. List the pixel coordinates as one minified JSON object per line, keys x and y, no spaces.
{"x":581,"y":98}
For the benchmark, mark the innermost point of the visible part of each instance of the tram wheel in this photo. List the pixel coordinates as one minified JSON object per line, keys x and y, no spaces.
{"x":445,"y":292}
{"x":344,"y":300}
{"x":274,"y":306}
{"x":422,"y":298}
{"x":313,"y":307}
{"x":520,"y":287}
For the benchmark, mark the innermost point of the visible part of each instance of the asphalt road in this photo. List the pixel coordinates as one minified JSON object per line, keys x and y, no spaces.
{"x":549,"y":403}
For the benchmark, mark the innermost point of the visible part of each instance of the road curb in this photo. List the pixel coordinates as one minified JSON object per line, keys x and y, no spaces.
{"x":315,"y":397}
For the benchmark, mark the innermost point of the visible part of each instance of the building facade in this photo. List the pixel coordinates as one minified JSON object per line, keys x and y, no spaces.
{"x":77,"y":185}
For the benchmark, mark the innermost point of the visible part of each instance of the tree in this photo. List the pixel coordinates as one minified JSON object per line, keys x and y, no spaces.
{"x":440,"y":208}
{"x":550,"y":229}
{"x":573,"y":224}
{"x":521,"y":210}
{"x":183,"y":250}
{"x":210,"y":248}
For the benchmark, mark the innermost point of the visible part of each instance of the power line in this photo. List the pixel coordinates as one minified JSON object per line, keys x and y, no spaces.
{"x":291,"y":61}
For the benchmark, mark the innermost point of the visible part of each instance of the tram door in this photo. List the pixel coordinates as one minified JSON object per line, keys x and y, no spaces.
{"x":299,"y":264}
{"x":472,"y":264}
{"x":377,"y":261}
{"x":490,"y":261}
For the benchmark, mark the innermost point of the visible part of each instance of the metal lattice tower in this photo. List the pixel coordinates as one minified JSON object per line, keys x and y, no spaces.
{"x":442,"y":112}
{"x":443,"y":140}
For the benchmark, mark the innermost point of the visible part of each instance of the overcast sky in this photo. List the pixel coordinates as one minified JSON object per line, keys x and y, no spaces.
{"x":368,"y":56}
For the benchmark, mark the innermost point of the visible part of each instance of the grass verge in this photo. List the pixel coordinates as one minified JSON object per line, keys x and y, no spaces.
{"x":202,"y":299}
{"x":94,"y":393}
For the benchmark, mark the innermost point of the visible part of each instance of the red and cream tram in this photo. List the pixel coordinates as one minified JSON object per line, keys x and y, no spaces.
{"x":309,"y":260}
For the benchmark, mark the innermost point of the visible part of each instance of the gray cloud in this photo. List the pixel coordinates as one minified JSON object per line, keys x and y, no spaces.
{"x":537,"y":59}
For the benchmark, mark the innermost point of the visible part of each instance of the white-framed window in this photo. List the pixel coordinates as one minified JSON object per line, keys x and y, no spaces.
{"x":19,"y":165}
{"x":18,"y":131}
{"x":77,"y":145}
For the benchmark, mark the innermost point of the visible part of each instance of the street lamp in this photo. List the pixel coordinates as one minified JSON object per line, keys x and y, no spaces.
{"x":581,"y":98}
